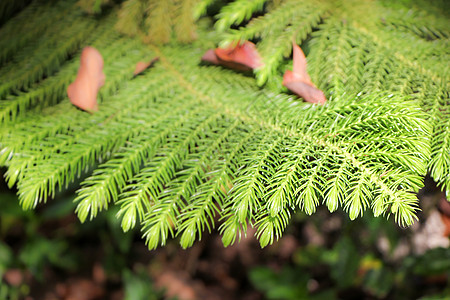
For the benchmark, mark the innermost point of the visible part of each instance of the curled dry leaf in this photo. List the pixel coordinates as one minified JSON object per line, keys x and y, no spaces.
{"x":241,"y":56}
{"x":142,"y":66}
{"x":83,"y":91}
{"x":298,"y":80}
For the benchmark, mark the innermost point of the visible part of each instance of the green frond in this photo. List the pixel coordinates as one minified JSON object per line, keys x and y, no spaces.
{"x":109,"y":179}
{"x":425,"y":81}
{"x":201,"y":207}
{"x":417,"y":21}
{"x":190,"y":217}
{"x":360,"y":195}
{"x":130,"y":17}
{"x":158,"y":21}
{"x":53,"y":89}
{"x":277,"y":28}
{"x":270,"y":229}
{"x":186,"y":144}
{"x":238,"y":11}
{"x":92,"y":6}
{"x":156,"y":173}
{"x":336,"y":187}
{"x":277,"y":46}
{"x":29,"y":24}
{"x":52,"y":53}
{"x":36,"y":127}
{"x":440,"y":148}
{"x":272,"y":22}
{"x":9,"y":7}
{"x":184,"y":25}
{"x":201,"y":7}
{"x":250,"y":183}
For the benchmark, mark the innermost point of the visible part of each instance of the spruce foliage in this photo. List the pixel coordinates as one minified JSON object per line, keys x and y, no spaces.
{"x":186,"y":146}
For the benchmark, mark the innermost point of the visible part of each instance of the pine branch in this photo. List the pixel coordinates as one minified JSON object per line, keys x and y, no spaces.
{"x":419,"y":22}
{"x":51,"y":90}
{"x":108,"y":181}
{"x":159,"y":20}
{"x":291,"y":21}
{"x":270,"y":23}
{"x":200,"y":211}
{"x":156,"y":173}
{"x":423,"y":81}
{"x":36,"y":127}
{"x":201,"y":8}
{"x":32,"y":69}
{"x":72,"y":136}
{"x":92,"y":6}
{"x":29,"y":24}
{"x":184,"y":25}
{"x":185,"y":144}
{"x":9,"y":7}
{"x":237,"y":12}
{"x":130,"y":18}
{"x":213,"y":191}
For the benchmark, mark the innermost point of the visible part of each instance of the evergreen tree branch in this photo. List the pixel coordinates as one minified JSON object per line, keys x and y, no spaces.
{"x":52,"y":90}
{"x":9,"y":7}
{"x":34,"y":68}
{"x":201,"y":8}
{"x":159,"y":20}
{"x":29,"y":24}
{"x":36,"y":128}
{"x":109,"y":179}
{"x":149,"y":183}
{"x":185,"y":144}
{"x":237,"y":12}
{"x":130,"y":17}
{"x":184,"y":26}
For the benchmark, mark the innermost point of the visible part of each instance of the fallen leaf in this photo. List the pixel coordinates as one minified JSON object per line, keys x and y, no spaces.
{"x":446,"y":221}
{"x":142,"y":66}
{"x":14,"y":277}
{"x":298,"y":80}
{"x":241,"y":56}
{"x":210,"y":56}
{"x":83,"y":91}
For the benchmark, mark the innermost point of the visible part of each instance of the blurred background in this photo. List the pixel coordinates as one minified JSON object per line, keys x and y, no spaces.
{"x":48,"y":254}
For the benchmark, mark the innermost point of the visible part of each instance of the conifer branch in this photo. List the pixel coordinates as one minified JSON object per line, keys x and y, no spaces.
{"x":184,"y":144}
{"x":159,"y":20}
{"x":156,"y":173}
{"x":201,"y":8}
{"x":9,"y":7}
{"x":184,"y":26}
{"x":130,"y":17}
{"x":29,"y":24}
{"x":237,"y":12}
{"x":53,"y":89}
{"x":48,"y":62}
{"x":96,"y":194}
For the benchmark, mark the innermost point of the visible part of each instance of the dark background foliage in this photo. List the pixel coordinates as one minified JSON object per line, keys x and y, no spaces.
{"x":48,"y":254}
